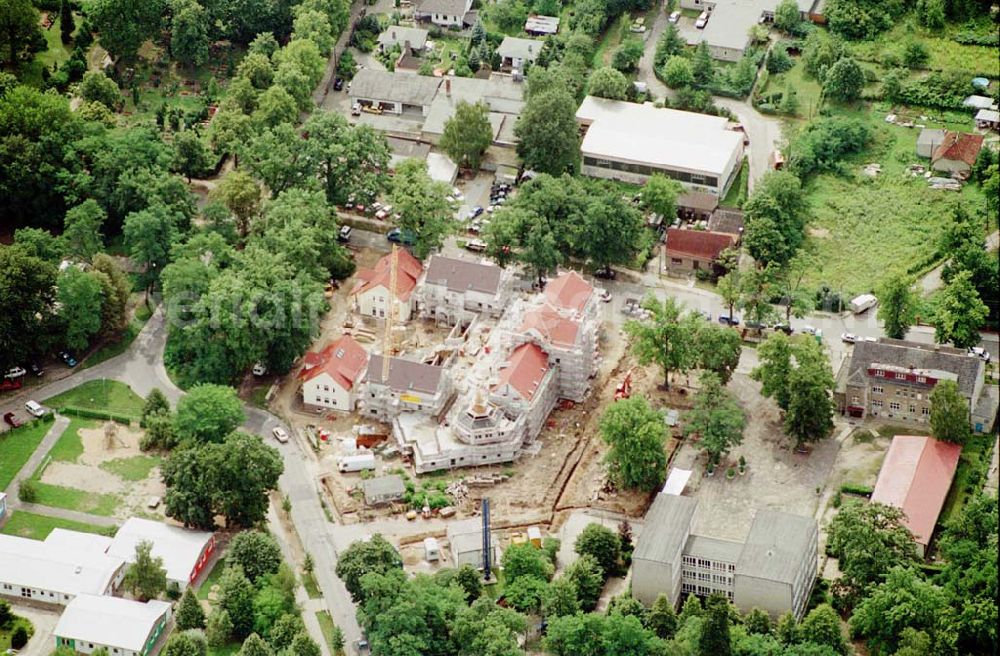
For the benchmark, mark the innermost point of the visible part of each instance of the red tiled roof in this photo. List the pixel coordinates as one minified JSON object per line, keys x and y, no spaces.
{"x":697,"y":244}
{"x":551,"y":325}
{"x":569,"y":291}
{"x":343,"y":360}
{"x":915,"y":476}
{"x":959,"y":147}
{"x":525,"y":370}
{"x":408,"y":270}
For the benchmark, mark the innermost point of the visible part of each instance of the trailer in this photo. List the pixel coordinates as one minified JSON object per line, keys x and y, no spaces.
{"x":356,"y":463}
{"x":863,"y":303}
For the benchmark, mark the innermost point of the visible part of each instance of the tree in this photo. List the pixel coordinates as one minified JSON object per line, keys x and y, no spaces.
{"x":230,"y":130}
{"x":548,"y":137}
{"x":115,"y":291}
{"x":822,"y":626}
{"x":423,"y":204}
{"x":82,"y":232}
{"x":245,"y":470}
{"x":588,"y":579}
{"x":146,"y":577}
{"x":611,"y":233}
{"x":714,"y":639}
{"x":125,"y":24}
{"x":191,"y":157}
{"x":274,"y":107}
{"x":241,"y":195}
{"x":627,"y":55}
{"x":897,"y":306}
{"x":949,"y":413}
{"x":959,"y":312}
{"x":20,"y":35}
{"x":525,"y":593}
{"x":903,"y":600}
{"x":757,"y":622}
{"x":218,"y":628}
{"x":254,"y":645}
{"x":669,"y":44}
{"x":636,"y":434}
{"x":787,"y":17}
{"x":715,"y":417}
{"x":285,"y":629}
{"x":677,"y":72}
{"x":718,"y":351}
{"x":525,"y":561}
{"x":303,"y":645}
{"x":236,"y":597}
{"x":303,"y":55}
{"x":790,"y":100}
{"x":869,"y":539}
{"x":98,"y":87}
{"x":363,"y":557}
{"x":661,"y":618}
{"x":189,"y":613}
{"x":607,"y":82}
{"x":775,"y":356}
{"x":809,"y":416}
{"x":314,"y":26}
{"x":862,"y":19}
{"x":186,"y":643}
{"x":189,"y":37}
{"x":80,"y":296}
{"x":560,"y":599}
{"x":787,"y":629}
{"x":148,"y":237}
{"x":257,"y":552}
{"x":844,"y":80}
{"x":666,"y":338}
{"x":350,"y":160}
{"x":67,"y":23}
{"x":208,"y":413}
{"x":467,"y":134}
{"x":36,"y":242}
{"x":702,"y":66}
{"x":470,"y":581}
{"x":603,"y":544}
{"x":775,"y":218}
{"x":659,"y":195}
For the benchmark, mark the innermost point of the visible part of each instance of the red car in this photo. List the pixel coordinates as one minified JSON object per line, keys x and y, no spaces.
{"x":12,"y":420}
{"x":10,"y":384}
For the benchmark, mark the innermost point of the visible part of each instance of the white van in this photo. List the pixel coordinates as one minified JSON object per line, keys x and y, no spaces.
{"x":702,"y":20}
{"x":34,"y":408}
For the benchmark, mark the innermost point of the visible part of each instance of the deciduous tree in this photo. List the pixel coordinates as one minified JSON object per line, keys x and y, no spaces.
{"x":714,"y":639}
{"x":809,"y":415}
{"x":949,"y":413}
{"x":603,"y":544}
{"x":191,"y":157}
{"x":125,"y":24}
{"x":241,"y":195}
{"x":149,"y":235}
{"x":82,"y":231}
{"x":146,"y":577}
{"x":636,"y":434}
{"x":869,"y":539}
{"x":822,"y":626}
{"x":548,"y":136}
{"x":666,"y":338}
{"x":677,"y":72}
{"x":208,"y":413}
{"x":903,"y":600}
{"x":19,"y":32}
{"x":844,"y":80}
{"x":612,"y":232}
{"x":364,"y":557}
{"x":423,"y":204}
{"x":189,"y":38}
{"x":959,"y":312}
{"x":98,"y":87}
{"x":236,"y":595}
{"x":588,"y":579}
{"x":186,"y":643}
{"x":659,"y":195}
{"x":256,"y":552}
{"x":607,"y":82}
{"x":715,"y":417}
{"x":80,"y":297}
{"x":467,"y":134}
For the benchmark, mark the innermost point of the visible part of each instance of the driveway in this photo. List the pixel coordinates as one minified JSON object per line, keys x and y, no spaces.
{"x":42,"y":642}
{"x":646,"y":65}
{"x":765,"y":134}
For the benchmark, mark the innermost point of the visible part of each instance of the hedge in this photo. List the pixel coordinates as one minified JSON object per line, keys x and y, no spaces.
{"x":88,"y":413}
{"x":860,"y":490}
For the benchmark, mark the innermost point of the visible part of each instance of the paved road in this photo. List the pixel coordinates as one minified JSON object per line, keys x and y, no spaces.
{"x":646,"y":65}
{"x":764,"y":133}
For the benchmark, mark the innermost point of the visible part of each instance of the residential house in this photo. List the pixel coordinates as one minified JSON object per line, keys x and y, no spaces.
{"x":502,"y":95}
{"x":517,"y":54}
{"x":330,"y":377}
{"x":121,"y":626}
{"x":957,"y":153}
{"x":410,"y":386}
{"x":394,"y":93}
{"x":445,"y":13}
{"x":383,"y":489}
{"x":184,"y":551}
{"x":915,"y":477}
{"x":630,"y":142}
{"x":371,"y":294}
{"x":54,"y":572}
{"x":988,"y":119}
{"x":893,"y":379}
{"x":454,"y":290}
{"x":928,"y":141}
{"x":773,"y":568}
{"x":526,"y":387}
{"x":727,"y":31}
{"x":541,"y":25}
{"x":411,"y":40}
{"x":687,"y":251}
{"x":696,"y":205}
{"x":465,"y":537}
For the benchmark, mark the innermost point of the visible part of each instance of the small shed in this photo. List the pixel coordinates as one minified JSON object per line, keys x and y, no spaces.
{"x":928,"y":140}
{"x":696,"y":205}
{"x":979,"y":102}
{"x":988,"y":119}
{"x":432,"y":550}
{"x":466,"y":540}
{"x":384,"y":489}
{"x":541,"y":25}
{"x":535,"y":536}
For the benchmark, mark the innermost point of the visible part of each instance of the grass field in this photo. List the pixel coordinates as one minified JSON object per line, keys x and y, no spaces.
{"x":16,"y":447}
{"x":807,"y":89}
{"x":739,"y":188}
{"x":5,"y":633}
{"x":38,"y":527}
{"x":326,"y":625}
{"x":71,"y":498}
{"x":212,"y":578}
{"x":111,"y":349}
{"x":69,"y":447}
{"x":945,"y":54}
{"x":136,"y":468}
{"x":108,"y":395}
{"x":969,"y":476}
{"x":309,"y":583}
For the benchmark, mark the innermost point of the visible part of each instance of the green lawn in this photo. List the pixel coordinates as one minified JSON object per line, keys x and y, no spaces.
{"x":739,"y":188}
{"x":807,"y":89}
{"x":225,"y":650}
{"x":945,"y":54}
{"x":6,"y":633}
{"x":16,"y":447}
{"x":58,"y":496}
{"x":38,"y":527}
{"x":258,"y":396}
{"x":108,"y":395}
{"x":111,"y":349}
{"x":969,"y":477}
{"x":136,"y":468}
{"x":55,"y":53}
{"x":69,"y":447}
{"x":326,"y":625}
{"x":212,"y":578}
{"x":309,"y":583}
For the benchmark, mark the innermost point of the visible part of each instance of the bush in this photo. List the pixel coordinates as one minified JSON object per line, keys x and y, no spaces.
{"x":19,"y":638}
{"x":88,"y":413}
{"x":27,"y":491}
{"x":860,"y":490}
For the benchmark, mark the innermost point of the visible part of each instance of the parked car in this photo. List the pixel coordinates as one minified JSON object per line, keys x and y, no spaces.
{"x":356,"y":109}
{"x":384,"y":213}
{"x":727,"y":320}
{"x":34,"y":408}
{"x":783,"y":327}
{"x":674,"y":17}
{"x":848,"y":338}
{"x":345,"y":233}
{"x":605,"y":274}
{"x":16,"y":372}
{"x":14,"y":422}
{"x":35,"y":368}
{"x":67,"y":358}
{"x":704,"y":314}
{"x":280,"y":434}
{"x":8,"y":384}
{"x":980,"y":352}
{"x":476,"y":245}
{"x":755,"y":325}
{"x":361,"y":647}
{"x":702,"y":20}
{"x":809,"y":330}
{"x":457,"y":193}
{"x":259,"y":369}
{"x":338,"y":84}
{"x":630,"y":306}
{"x":605,"y":296}
{"x":398,"y":236}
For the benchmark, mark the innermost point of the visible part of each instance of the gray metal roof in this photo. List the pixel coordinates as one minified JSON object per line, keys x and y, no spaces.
{"x":776,"y":544}
{"x":930,"y":136}
{"x":405,"y":375}
{"x":383,"y":485}
{"x":513,"y":46}
{"x":462,"y":275}
{"x":714,"y":549}
{"x":402,"y":35}
{"x":445,"y":7}
{"x":918,"y":356}
{"x":405,"y":88}
{"x":666,"y":527}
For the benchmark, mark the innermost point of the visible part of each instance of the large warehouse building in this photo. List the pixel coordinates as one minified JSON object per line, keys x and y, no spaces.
{"x":630,"y":142}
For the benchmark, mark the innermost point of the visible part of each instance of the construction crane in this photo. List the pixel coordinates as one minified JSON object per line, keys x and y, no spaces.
{"x":390,"y":313}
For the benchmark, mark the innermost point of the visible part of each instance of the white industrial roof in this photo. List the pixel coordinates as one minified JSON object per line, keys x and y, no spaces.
{"x":110,"y":621}
{"x":676,"y":481}
{"x":75,"y":540}
{"x":55,"y":568}
{"x":180,"y":548}
{"x":664,"y":138}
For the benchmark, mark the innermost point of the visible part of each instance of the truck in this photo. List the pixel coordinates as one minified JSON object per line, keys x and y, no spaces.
{"x":356,"y":463}
{"x":863,"y":303}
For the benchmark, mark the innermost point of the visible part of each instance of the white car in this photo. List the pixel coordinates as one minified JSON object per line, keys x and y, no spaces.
{"x":849,"y":338}
{"x":605,"y":296}
{"x":34,"y":408}
{"x":809,"y":330}
{"x":457,"y":193}
{"x":674,"y":17}
{"x":259,"y":369}
{"x":476,"y":245}
{"x":280,"y":434}
{"x":16,"y":372}
{"x":980,"y":352}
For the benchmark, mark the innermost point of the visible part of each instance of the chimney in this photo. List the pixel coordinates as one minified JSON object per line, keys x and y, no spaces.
{"x":447,"y":86}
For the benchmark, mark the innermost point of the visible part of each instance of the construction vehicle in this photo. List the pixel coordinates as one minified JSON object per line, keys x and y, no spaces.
{"x":624,"y":389}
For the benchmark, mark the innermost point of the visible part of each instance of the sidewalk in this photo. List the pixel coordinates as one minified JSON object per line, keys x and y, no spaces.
{"x":50,"y":439}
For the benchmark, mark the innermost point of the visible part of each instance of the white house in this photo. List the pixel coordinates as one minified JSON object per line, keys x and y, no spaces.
{"x":516,"y":53}
{"x":446,"y":13}
{"x":185,"y":552}
{"x":329,"y":378}
{"x":453,"y":290}
{"x":55,"y":572}
{"x":122,"y":626}
{"x":371,"y":294}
